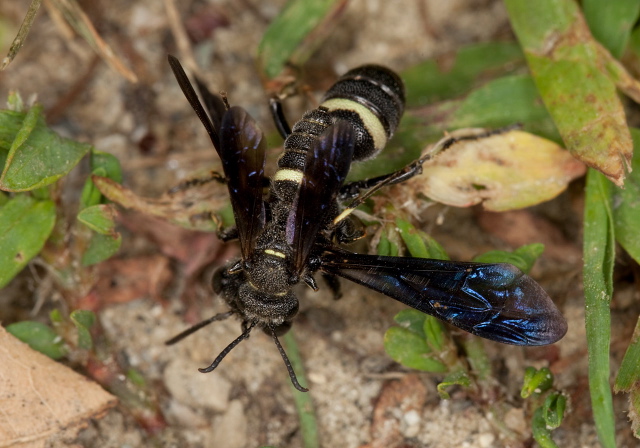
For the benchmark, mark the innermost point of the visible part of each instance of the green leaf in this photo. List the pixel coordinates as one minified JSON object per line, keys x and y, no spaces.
{"x":104,"y":165}
{"x":523,"y":258}
{"x":536,"y":381}
{"x":458,"y":378}
{"x":576,"y":79}
{"x":302,"y":23}
{"x":90,"y":194}
{"x":541,"y":433}
{"x":100,"y":248}
{"x":486,"y":107}
{"x":84,"y":320}
{"x":626,"y":210}
{"x":56,"y":317}
{"x":432,"y":80}
{"x":106,"y":241}
{"x":435,"y":333}
{"x":411,"y":350}
{"x":387,"y":247}
{"x":611,"y":22}
{"x":31,"y":154}
{"x":599,"y":253}
{"x":412,"y":320}
{"x":553,"y":409}
{"x":477,"y":357}
{"x":419,"y":243}
{"x":628,"y":377}
{"x":25,"y":225}
{"x":39,"y":337}
{"x":136,"y":377}
{"x":99,"y":218}
{"x":107,"y":162}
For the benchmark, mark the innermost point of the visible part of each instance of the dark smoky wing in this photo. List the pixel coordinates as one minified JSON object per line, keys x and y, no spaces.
{"x":325,"y":170}
{"x":493,"y":301}
{"x":213,"y":104}
{"x":194,"y":101}
{"x":242,"y":150}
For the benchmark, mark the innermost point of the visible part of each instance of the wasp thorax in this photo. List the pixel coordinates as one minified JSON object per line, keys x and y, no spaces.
{"x":266,"y":308}
{"x":269,"y":273}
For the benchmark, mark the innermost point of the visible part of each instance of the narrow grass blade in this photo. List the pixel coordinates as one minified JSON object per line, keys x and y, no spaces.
{"x":598,"y":287}
{"x":296,"y":33}
{"x":304,"y":404}
{"x":611,"y":22}
{"x":626,"y":212}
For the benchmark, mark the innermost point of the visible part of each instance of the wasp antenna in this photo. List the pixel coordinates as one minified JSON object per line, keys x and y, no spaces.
{"x":285,"y":358}
{"x":225,"y":352}
{"x":197,"y":326}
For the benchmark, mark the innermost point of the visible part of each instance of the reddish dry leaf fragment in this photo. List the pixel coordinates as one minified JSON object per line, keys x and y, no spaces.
{"x":41,"y":399}
{"x":504,"y":171}
{"x":123,"y":280}
{"x":192,"y":248}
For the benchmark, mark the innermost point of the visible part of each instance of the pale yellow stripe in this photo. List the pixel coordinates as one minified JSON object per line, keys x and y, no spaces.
{"x":371,"y":122}
{"x":288,"y":174}
{"x":274,"y":253}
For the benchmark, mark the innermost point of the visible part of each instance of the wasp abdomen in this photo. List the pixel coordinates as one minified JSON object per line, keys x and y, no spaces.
{"x":291,"y":163}
{"x":371,"y":98}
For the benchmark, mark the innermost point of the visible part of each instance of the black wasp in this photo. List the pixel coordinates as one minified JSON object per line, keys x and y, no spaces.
{"x":298,"y":227}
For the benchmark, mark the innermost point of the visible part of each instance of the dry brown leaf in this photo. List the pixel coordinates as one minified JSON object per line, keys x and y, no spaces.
{"x":505,"y":171}
{"x":190,"y":208}
{"x":41,"y":399}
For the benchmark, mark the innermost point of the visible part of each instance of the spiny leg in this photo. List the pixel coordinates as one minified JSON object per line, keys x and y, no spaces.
{"x":277,"y":113}
{"x":196,"y":182}
{"x":189,"y":331}
{"x":364,"y":189}
{"x":225,"y":352}
{"x":287,"y":363}
{"x":333,"y":283}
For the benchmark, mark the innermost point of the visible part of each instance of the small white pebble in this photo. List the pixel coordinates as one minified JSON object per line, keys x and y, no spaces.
{"x":486,"y":440}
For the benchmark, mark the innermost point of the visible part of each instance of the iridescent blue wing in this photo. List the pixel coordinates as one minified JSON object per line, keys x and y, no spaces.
{"x":493,"y":301}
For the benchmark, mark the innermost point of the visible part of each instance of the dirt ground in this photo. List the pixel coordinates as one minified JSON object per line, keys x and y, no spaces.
{"x":247,"y":402}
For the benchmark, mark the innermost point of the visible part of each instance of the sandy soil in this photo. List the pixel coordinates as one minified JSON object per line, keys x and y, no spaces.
{"x":356,"y":389}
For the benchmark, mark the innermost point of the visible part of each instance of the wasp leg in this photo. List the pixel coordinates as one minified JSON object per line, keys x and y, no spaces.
{"x":334,"y":285}
{"x":277,"y":113}
{"x":360,"y":191}
{"x":188,"y":184}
